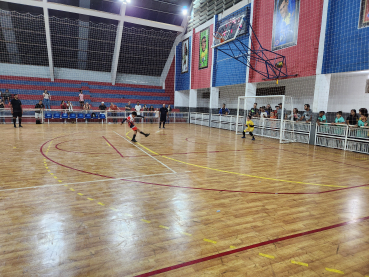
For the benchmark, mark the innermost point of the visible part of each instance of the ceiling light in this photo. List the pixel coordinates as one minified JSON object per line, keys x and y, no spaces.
{"x":184,"y":10}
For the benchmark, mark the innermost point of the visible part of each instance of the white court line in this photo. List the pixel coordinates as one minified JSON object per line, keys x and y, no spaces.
{"x":146,"y":153}
{"x":104,"y":180}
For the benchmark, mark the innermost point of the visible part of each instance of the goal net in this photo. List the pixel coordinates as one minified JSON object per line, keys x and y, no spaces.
{"x":272,"y":116}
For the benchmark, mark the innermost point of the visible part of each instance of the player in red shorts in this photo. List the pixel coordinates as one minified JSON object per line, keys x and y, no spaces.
{"x":131,"y":123}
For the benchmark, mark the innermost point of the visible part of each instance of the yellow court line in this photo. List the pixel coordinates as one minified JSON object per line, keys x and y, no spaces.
{"x":266,"y":256}
{"x":209,"y":240}
{"x":101,"y":204}
{"x":299,"y":263}
{"x":187,"y":234}
{"x":164,"y":227}
{"x":108,"y":144}
{"x":334,"y":270}
{"x":241,"y":174}
{"x":80,"y":193}
{"x":89,"y":198}
{"x":146,"y":221}
{"x":232,"y":247}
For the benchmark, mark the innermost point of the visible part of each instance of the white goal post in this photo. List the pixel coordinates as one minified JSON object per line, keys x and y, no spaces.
{"x":273,"y":128}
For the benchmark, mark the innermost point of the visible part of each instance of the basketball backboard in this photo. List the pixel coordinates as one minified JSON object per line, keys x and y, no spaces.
{"x":229,"y":29}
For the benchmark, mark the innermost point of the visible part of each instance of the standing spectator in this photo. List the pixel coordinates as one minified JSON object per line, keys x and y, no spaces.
{"x":128,"y":106}
{"x":362,"y":111}
{"x":63,"y":106}
{"x":363,"y":122}
{"x":2,"y":108}
{"x":38,"y":113}
{"x":6,"y":96}
{"x":87,"y":107}
{"x":102,"y":107}
{"x":81,"y":99}
{"x":279,"y":111}
{"x":138,"y":108}
{"x":151,"y":109}
{"x":254,"y":110}
{"x":16,"y":110}
{"x":268,"y":109}
{"x":352,"y":118}
{"x":113,"y":108}
{"x":163,"y":115}
{"x":169,"y":110}
{"x":224,"y":110}
{"x":307,"y":115}
{"x":321,"y":118}
{"x":145,"y":108}
{"x":263,"y":113}
{"x":339,"y":119}
{"x":47,"y":98}
{"x":295,"y":116}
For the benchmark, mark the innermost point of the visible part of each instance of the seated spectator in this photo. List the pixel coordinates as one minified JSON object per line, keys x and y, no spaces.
{"x":321,"y":118}
{"x":263,"y":113}
{"x":128,"y":106}
{"x":2,"y":109}
{"x":70,"y":106}
{"x":145,"y":108}
{"x":224,"y":110}
{"x":339,"y":119}
{"x":272,"y":115}
{"x":362,"y":111}
{"x":113,"y":108}
{"x":268,"y":109}
{"x":352,"y":118}
{"x":254,"y":112}
{"x":151,"y":109}
{"x":295,"y":116}
{"x":87,"y":107}
{"x":102,"y":107}
{"x":39,"y":108}
{"x":363,"y":122}
{"x":307,"y":115}
{"x":63,"y":106}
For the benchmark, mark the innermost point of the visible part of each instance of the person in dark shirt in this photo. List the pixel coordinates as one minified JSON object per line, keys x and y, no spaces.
{"x":16,"y":110}
{"x":224,"y":110}
{"x":352,"y":118}
{"x":102,"y":107}
{"x":163,"y":115}
{"x":268,"y":110}
{"x":2,"y":108}
{"x":128,"y":106}
{"x":254,"y":112}
{"x":38,"y":115}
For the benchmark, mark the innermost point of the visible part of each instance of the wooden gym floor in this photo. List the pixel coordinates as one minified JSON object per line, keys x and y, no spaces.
{"x":81,"y":200}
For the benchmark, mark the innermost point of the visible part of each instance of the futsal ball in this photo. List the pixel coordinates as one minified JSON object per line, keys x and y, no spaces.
{"x":279,"y":65}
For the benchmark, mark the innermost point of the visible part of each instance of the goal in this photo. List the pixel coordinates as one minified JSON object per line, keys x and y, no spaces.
{"x":282,"y":127}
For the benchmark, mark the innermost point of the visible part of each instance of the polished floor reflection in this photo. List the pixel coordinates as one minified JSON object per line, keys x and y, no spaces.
{"x":82,"y":200}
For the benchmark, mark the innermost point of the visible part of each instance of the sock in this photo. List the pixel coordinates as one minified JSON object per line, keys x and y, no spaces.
{"x":160,"y":124}
{"x":142,"y":133}
{"x":20,"y":121}
{"x":14,"y":121}
{"x":163,"y":124}
{"x":243,"y":132}
{"x":134,"y":137}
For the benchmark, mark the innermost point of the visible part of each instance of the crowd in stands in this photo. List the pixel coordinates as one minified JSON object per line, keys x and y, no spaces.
{"x":354,"y":119}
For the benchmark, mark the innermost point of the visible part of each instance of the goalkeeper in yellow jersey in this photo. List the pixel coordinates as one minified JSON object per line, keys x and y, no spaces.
{"x":250,"y":128}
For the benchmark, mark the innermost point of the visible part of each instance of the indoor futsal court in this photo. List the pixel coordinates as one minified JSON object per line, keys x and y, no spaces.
{"x":199,"y":138}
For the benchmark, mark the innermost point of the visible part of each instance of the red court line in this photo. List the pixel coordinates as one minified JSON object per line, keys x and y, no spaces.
{"x":113,"y":147}
{"x":170,"y":268}
{"x":194,"y":188}
{"x":57,"y":147}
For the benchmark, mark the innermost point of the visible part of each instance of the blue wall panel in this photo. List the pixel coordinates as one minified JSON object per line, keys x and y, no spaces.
{"x":183,"y":79}
{"x":227,"y":70}
{"x":346,"y":46}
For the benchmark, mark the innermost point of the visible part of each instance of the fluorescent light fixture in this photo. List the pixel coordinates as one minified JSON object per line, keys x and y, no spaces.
{"x":184,"y":10}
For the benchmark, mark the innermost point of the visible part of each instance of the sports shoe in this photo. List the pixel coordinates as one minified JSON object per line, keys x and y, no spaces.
{"x":134,"y":140}
{"x":243,"y":137}
{"x":146,"y":135}
{"x":253,"y":138}
{"x":21,"y":126}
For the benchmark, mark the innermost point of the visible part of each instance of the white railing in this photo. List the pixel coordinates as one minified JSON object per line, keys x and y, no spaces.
{"x":343,"y":137}
{"x":64,"y":116}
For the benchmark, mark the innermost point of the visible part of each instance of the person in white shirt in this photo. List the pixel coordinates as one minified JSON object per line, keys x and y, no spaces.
{"x":263,"y":113}
{"x":47,"y":99}
{"x":138,"y":108}
{"x":70,"y":106}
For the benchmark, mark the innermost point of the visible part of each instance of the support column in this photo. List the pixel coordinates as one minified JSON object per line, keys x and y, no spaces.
{"x":9,"y":36}
{"x":214,"y":100}
{"x":250,"y":91}
{"x":83,"y":30}
{"x":118,"y":41}
{"x":181,"y":99}
{"x":48,"y":41}
{"x":193,"y":100}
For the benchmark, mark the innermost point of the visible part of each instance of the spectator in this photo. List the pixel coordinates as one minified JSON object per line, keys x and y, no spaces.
{"x":307,"y":115}
{"x":339,"y":119}
{"x":254,"y":110}
{"x":272,"y":115}
{"x":263,"y":113}
{"x":279,"y":111}
{"x":63,"y":106}
{"x":16,"y":110}
{"x":224,"y":110}
{"x":102,"y":107}
{"x":2,"y":109}
{"x":87,"y":107}
{"x":47,"y":98}
{"x":321,"y":118}
{"x":145,"y":108}
{"x":362,"y":111}
{"x":138,"y":108}
{"x":363,"y":122}
{"x":169,"y":110}
{"x":268,"y":109}
{"x":113,"y":108}
{"x":152,"y":109}
{"x":128,"y":106}
{"x":6,"y":96}
{"x":81,"y":99}
{"x":38,"y":113}
{"x":295,"y":116}
{"x":70,"y":107}
{"x":276,"y":110}
{"x":352,"y":118}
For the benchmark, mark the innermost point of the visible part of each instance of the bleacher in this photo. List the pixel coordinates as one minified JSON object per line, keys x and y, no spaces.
{"x":30,"y":92}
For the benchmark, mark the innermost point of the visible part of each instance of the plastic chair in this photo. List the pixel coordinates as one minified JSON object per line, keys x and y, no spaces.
{"x":65,"y":117}
{"x":56,"y":116}
{"x":48,"y":116}
{"x":73,"y":116}
{"x":87,"y":116}
{"x":102,"y":117}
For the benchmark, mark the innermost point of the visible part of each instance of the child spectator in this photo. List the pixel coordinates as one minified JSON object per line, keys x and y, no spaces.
{"x":268,"y":109}
{"x":362,"y":111}
{"x":321,"y":118}
{"x":250,"y":128}
{"x":339,"y":119}
{"x":363,"y":123}
{"x":70,"y":107}
{"x":224,"y":110}
{"x":307,"y":115}
{"x":272,"y":115}
{"x":295,"y":116}
{"x":63,"y":106}
{"x":254,"y":112}
{"x":263,"y":113}
{"x":352,"y":118}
